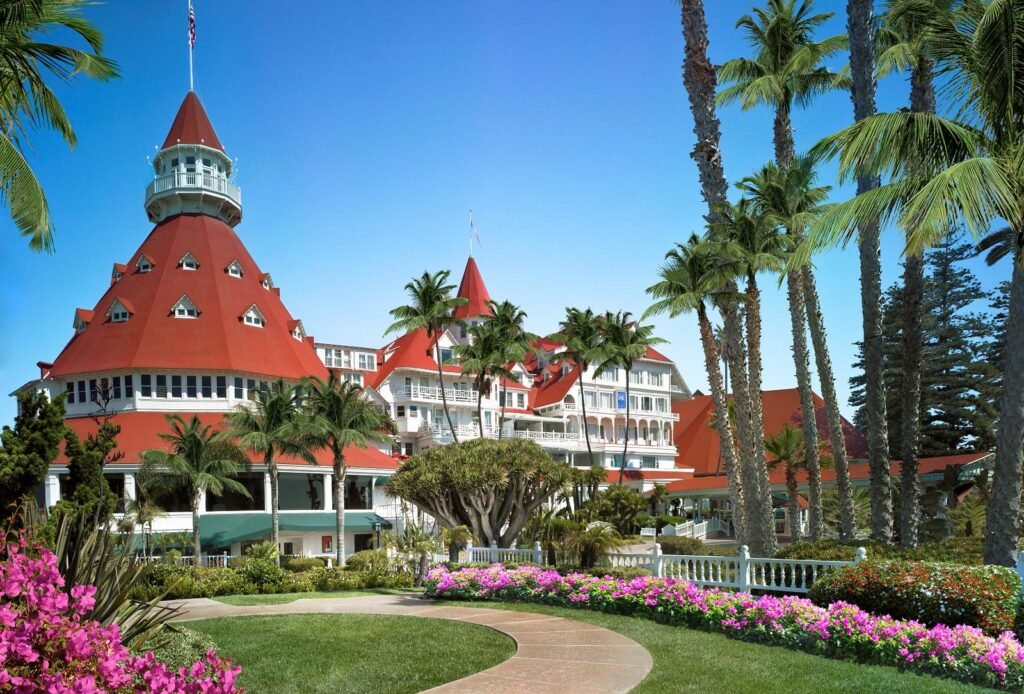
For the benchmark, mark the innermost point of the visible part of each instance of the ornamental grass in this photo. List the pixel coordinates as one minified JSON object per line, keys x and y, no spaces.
{"x":840,"y":630}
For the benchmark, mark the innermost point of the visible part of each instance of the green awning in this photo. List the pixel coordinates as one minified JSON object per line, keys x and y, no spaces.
{"x":222,"y":529}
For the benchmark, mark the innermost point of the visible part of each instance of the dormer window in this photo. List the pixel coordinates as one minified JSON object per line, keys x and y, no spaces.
{"x":119,"y":311}
{"x":234,"y":269}
{"x":144,"y":264}
{"x":82,"y":318}
{"x":298,"y":332}
{"x":188,"y":262}
{"x":254,"y":317}
{"x":266,"y":281}
{"x":118,"y":272}
{"x":184,"y":308}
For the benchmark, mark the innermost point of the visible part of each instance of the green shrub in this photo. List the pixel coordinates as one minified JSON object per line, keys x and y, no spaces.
{"x":301,"y":564}
{"x":214,"y":582}
{"x":623,"y":572}
{"x":261,"y":571}
{"x":684,"y":545}
{"x":987,"y":597}
{"x":664,"y":520}
{"x":180,"y":647}
{"x":645,"y":520}
{"x":368,"y":560}
{"x":955,"y":550}
{"x":262,"y":550}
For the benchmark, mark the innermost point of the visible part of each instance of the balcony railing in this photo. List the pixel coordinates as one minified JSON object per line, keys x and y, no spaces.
{"x":441,"y":432}
{"x":433,"y":394}
{"x":191,"y":180}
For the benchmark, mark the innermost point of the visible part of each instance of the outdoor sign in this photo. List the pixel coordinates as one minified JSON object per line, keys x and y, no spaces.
{"x":325,"y":544}
{"x":620,"y":399}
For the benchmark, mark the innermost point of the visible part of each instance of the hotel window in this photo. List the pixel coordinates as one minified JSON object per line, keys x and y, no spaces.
{"x":188,"y":262}
{"x":207,"y":386}
{"x":143,"y":264}
{"x":606,"y":401}
{"x":254,"y":318}
{"x":646,"y":403}
{"x":190,"y":387}
{"x":161,"y":386}
{"x":591,"y":398}
{"x":250,"y":388}
{"x":94,"y":395}
{"x":175,"y":162}
{"x":654,"y":377}
{"x":238,"y":388}
{"x":222,"y":386}
{"x":190,"y":164}
{"x":128,"y":390}
{"x":147,"y":386}
{"x":368,"y":362}
{"x":662,"y":405}
{"x":408,"y":449}
{"x":446,"y":356}
{"x":234,"y":269}
{"x":399,"y":410}
{"x":412,"y":410}
{"x":184,"y":308}
{"x":175,"y":386}
{"x":649,"y":461}
{"x":632,"y":402}
{"x":501,"y":398}
{"x":81,"y":392}
{"x":636,"y":377}
{"x":520,"y":401}
{"x":115,"y":391}
{"x":69,"y":388}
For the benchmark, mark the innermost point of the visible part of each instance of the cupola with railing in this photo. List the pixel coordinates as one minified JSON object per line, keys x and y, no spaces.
{"x":192,"y":173}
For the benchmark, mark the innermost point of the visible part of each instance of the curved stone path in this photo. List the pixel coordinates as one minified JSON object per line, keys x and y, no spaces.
{"x":553,"y":654}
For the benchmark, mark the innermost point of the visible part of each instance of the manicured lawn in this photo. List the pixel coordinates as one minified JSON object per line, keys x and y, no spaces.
{"x":353,"y":653}
{"x":282,"y":598}
{"x":687,"y":660}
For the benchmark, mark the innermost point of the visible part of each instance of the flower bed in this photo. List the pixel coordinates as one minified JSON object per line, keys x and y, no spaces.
{"x":47,"y":644}
{"x":840,"y":630}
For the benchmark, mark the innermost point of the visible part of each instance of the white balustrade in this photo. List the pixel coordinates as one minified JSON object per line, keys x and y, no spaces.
{"x":433,"y":393}
{"x":193,"y":179}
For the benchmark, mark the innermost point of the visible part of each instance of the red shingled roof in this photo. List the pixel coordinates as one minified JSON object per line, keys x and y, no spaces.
{"x":191,"y":126}
{"x":140,"y":431}
{"x":472,"y":289}
{"x":217,"y":340}
{"x":555,"y":388}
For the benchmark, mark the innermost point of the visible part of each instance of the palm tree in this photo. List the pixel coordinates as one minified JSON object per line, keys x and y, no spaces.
{"x":625,"y":342}
{"x":484,"y":359}
{"x":431,"y":309}
{"x":691,"y":279}
{"x":787,"y":198}
{"x":582,"y":338}
{"x":273,"y":423}
{"x":657,"y":497}
{"x":786,"y":70}
{"x":345,"y":419}
{"x":943,"y":170}
{"x":909,"y":29}
{"x":200,"y":460}
{"x":26,"y":101}
{"x":723,"y":349}
{"x":513,"y":343}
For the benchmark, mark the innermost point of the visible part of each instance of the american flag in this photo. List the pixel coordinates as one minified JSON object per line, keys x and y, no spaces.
{"x":191,"y":26}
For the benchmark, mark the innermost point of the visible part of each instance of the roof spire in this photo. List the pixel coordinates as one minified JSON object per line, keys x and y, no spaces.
{"x":191,"y":42}
{"x":473,"y":290}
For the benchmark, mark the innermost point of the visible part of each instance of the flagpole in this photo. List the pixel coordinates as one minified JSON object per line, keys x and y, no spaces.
{"x":190,"y":85}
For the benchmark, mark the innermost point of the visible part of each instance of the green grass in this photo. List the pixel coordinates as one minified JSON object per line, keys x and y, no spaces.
{"x":353,"y":653}
{"x":688,"y":660}
{"x":282,"y":598}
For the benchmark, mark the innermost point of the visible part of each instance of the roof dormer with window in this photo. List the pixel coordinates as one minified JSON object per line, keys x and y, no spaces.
{"x":143,"y":264}
{"x":82,"y":319}
{"x":185,"y":308}
{"x":120,"y":310}
{"x":118,"y":272}
{"x":234,"y":269}
{"x":254,"y":317}
{"x":296,"y":329}
{"x":188,"y":262}
{"x":266,"y":282}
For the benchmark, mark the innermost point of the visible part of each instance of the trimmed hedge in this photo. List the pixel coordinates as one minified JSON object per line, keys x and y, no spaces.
{"x":955,"y":550}
{"x":180,"y":646}
{"x":300,"y":564}
{"x":692,"y":545}
{"x":987,"y":597}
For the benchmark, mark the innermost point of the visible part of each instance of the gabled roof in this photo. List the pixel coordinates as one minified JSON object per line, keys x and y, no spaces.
{"x":472,"y":289}
{"x":83,"y":315}
{"x":555,"y":388}
{"x":192,"y":126}
{"x":655,"y":355}
{"x":218,"y":342}
{"x":414,"y":350}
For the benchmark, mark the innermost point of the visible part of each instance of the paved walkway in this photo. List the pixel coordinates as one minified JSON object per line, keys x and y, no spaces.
{"x":552,"y":654}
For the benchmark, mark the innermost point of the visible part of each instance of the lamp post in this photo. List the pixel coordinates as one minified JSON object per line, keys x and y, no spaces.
{"x":376,"y":530}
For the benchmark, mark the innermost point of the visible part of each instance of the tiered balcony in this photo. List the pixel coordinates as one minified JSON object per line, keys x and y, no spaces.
{"x":433,"y":394}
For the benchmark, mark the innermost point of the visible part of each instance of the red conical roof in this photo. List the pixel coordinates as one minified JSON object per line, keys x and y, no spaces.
{"x":191,"y":126}
{"x":474,"y":291}
{"x":218,"y":340}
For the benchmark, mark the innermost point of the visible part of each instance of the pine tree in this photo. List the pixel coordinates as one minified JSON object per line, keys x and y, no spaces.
{"x":90,"y":498}
{"x":27,"y":450}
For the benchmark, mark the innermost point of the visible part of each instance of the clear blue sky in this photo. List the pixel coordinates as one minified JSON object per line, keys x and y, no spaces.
{"x":365,"y":131}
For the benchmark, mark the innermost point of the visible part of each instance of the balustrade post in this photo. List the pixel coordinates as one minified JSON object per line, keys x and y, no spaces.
{"x":538,"y":553}
{"x":743,"y":569}
{"x":494,"y":551}
{"x":861,"y":555}
{"x":225,"y":560}
{"x":658,"y":562}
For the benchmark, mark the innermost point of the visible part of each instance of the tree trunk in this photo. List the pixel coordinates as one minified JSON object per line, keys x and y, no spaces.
{"x":444,"y":397}
{"x":723,"y":425}
{"x":823,"y":360}
{"x":197,"y":548}
{"x":922,"y":100}
{"x":1002,"y":532}
{"x":860,"y":28}
{"x":798,"y":320}
{"x":783,"y":131}
{"x":339,"y":509}
{"x":625,"y":440}
{"x":583,"y":406}
{"x":275,"y":534}
{"x":504,"y":400}
{"x":752,"y":310}
{"x":793,"y":504}
{"x":480,"y":409}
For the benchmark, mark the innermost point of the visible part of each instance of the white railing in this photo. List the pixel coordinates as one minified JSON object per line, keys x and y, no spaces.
{"x":499,"y":555}
{"x":195,"y":180}
{"x":546,"y":435}
{"x":434,"y":393}
{"x":687,"y":529}
{"x":464,"y":431}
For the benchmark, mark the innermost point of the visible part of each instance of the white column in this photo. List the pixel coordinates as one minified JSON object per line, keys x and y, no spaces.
{"x":266,"y":492}
{"x":129,"y":486}
{"x":52,"y":490}
{"x":328,"y":490}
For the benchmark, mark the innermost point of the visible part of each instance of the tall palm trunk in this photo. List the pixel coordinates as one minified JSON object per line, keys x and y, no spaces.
{"x":922,"y":100}
{"x":444,"y":397}
{"x":723,"y":425}
{"x":197,"y":548}
{"x":480,"y":409}
{"x":860,"y":28}
{"x":798,"y":320}
{"x":339,"y":508}
{"x":793,"y":505}
{"x":847,"y":519}
{"x":785,"y":149}
{"x":275,"y":532}
{"x":583,"y":405}
{"x":752,"y":311}
{"x":504,"y":400}
{"x":1002,"y":532}
{"x":625,"y":440}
